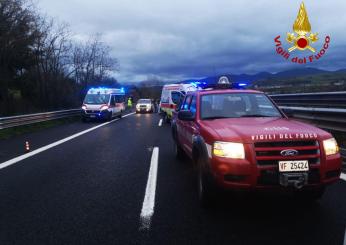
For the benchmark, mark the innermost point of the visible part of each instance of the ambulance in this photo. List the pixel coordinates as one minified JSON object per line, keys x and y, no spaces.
{"x":103,"y":104}
{"x":171,"y":97}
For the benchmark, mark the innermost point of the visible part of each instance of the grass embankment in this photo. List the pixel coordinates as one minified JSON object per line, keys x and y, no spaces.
{"x":11,"y":132}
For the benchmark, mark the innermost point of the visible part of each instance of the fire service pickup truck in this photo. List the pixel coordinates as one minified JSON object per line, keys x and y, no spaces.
{"x":240,"y":139}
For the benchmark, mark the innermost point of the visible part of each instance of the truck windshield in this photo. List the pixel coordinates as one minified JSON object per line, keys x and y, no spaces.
{"x":96,"y":99}
{"x":144,"y":101}
{"x":236,"y":105}
{"x":176,"y":97}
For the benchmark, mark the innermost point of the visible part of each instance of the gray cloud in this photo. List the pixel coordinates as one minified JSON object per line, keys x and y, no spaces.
{"x":179,"y":39}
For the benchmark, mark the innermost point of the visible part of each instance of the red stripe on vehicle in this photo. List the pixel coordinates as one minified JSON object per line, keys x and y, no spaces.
{"x":170,"y":106}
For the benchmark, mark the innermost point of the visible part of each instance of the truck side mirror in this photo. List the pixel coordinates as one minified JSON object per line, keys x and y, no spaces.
{"x":186,"y":115}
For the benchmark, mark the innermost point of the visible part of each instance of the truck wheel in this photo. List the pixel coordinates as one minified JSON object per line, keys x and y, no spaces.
{"x":109,"y":116}
{"x":206,"y":188}
{"x":178,"y":151}
{"x":120,"y":115}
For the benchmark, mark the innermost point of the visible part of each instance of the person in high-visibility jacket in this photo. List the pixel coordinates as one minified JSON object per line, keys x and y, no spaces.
{"x":129,"y":103}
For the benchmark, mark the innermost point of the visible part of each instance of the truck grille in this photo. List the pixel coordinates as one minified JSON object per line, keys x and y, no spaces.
{"x":269,"y":153}
{"x":92,"y":111}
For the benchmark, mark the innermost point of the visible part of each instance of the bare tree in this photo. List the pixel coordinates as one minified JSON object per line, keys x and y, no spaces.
{"x":51,"y":56}
{"x":39,"y":62}
{"x":92,"y":61}
{"x":16,"y":37}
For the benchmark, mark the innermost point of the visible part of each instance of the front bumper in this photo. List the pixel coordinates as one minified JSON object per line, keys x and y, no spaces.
{"x":245,"y":174}
{"x":95,"y":114}
{"x":143,"y":109}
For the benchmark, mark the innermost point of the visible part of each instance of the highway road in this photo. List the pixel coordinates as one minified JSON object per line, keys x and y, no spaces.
{"x":119,"y":183}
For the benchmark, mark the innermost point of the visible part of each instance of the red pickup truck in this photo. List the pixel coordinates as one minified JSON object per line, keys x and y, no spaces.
{"x":240,"y":139}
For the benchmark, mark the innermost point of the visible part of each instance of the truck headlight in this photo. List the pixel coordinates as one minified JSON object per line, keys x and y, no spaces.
{"x":84,"y":107}
{"x":229,"y":150}
{"x":137,"y":107}
{"x":330,"y":146}
{"x":104,"y":107}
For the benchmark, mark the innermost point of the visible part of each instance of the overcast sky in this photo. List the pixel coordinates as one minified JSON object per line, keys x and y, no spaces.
{"x":194,"y":38}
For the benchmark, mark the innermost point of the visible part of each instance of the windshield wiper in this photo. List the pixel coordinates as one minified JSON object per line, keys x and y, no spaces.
{"x":257,"y":115}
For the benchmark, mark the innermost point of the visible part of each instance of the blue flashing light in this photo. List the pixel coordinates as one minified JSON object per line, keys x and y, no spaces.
{"x":199,"y":85}
{"x":122,"y":90}
{"x":242,"y":84}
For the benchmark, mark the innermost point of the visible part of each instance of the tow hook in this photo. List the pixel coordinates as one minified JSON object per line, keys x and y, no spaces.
{"x":297,"y":180}
{"x":298,"y":184}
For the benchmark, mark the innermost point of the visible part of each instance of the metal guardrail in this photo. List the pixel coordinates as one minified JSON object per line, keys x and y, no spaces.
{"x":325,"y":99}
{"x":328,"y":118}
{"x":9,"y":122}
{"x":343,"y":154}
{"x":325,"y":110}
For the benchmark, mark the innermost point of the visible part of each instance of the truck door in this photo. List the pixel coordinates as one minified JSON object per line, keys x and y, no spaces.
{"x":181,"y":125}
{"x":119,"y":103}
{"x":190,"y":126}
{"x":112,"y":105}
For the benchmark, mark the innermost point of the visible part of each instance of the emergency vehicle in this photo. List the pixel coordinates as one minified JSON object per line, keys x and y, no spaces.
{"x":103,"y":103}
{"x":240,"y":140}
{"x":145,"y":105}
{"x":172,"y":95}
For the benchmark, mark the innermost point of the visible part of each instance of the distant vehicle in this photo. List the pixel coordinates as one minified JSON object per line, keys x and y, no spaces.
{"x":240,"y":140}
{"x":145,"y":105}
{"x":171,"y":97}
{"x":103,"y":103}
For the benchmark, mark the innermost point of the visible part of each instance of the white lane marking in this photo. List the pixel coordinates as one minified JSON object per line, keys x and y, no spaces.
{"x":160,"y":122}
{"x":343,"y":176}
{"x":149,"y":198}
{"x":44,"y":148}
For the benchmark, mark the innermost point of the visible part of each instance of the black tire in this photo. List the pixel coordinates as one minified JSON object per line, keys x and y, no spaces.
{"x":84,"y":120}
{"x":206,"y":186}
{"x":178,"y":151}
{"x":120,"y":115}
{"x":109,"y":116}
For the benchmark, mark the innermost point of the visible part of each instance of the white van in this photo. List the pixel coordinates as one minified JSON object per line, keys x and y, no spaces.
{"x":171,"y":97}
{"x":103,"y":103}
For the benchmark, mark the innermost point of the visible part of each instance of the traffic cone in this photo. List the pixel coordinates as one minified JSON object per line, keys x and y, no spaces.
{"x":27,"y":146}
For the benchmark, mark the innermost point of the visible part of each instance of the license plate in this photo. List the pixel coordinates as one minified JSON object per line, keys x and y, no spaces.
{"x":293,"y":166}
{"x":92,"y":116}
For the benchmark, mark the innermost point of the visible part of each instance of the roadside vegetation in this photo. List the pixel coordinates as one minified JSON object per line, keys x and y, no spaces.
{"x":12,"y":132}
{"x":42,"y":67}
{"x":325,"y":82}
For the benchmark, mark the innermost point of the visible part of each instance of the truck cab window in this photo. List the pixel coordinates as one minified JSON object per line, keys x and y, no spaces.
{"x":186,"y":103}
{"x":176,"y":97}
{"x":193,"y":105}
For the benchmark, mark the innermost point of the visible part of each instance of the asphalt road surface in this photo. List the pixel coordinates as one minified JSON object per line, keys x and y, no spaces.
{"x":121,"y":184}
